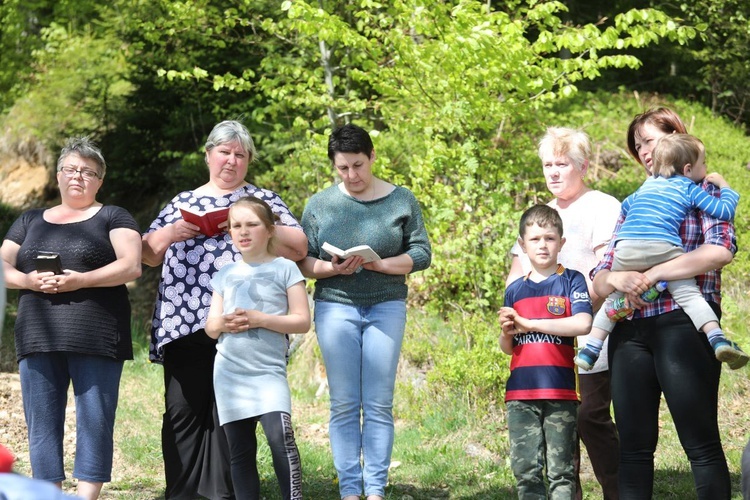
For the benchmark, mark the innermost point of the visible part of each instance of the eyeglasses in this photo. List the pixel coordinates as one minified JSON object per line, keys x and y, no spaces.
{"x":86,"y":173}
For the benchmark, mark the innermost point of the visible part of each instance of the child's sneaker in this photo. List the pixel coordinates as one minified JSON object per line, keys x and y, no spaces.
{"x":586,"y":359}
{"x":730,"y":353}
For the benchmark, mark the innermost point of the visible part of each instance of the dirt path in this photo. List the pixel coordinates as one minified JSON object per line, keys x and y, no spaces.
{"x":12,"y":423}
{"x":13,"y":427}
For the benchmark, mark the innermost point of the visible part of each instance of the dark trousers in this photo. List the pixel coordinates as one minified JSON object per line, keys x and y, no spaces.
{"x":194,"y":446}
{"x":746,"y":472}
{"x":666,"y":354}
{"x":598,"y":431}
{"x":243,"y":446}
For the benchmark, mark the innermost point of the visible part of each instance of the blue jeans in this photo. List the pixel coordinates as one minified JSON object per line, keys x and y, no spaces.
{"x":45,"y":378}
{"x":361,"y":347}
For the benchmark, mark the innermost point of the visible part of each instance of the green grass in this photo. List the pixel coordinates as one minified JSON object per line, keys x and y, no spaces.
{"x":446,"y":446}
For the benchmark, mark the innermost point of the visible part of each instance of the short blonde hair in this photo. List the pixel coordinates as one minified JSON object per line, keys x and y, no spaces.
{"x":563,"y":141}
{"x":673,"y":151}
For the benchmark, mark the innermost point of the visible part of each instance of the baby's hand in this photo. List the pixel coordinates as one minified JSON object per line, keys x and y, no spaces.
{"x":716,"y":179}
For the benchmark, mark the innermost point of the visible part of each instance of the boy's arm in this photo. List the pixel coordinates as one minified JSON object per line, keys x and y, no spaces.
{"x":722,"y":208}
{"x":505,"y":317}
{"x":572,"y":326}
{"x":506,"y":343}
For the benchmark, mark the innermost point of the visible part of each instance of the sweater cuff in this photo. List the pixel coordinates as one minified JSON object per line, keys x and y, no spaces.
{"x":420,"y":258}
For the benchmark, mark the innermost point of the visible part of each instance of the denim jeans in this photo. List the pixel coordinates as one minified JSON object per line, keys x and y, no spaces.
{"x":45,"y":378}
{"x":361,"y":346}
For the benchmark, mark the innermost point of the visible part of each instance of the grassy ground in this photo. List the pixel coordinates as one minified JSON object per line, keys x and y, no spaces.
{"x":446,"y":447}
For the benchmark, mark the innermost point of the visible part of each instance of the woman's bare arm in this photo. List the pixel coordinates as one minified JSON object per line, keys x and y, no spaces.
{"x":703,"y":259}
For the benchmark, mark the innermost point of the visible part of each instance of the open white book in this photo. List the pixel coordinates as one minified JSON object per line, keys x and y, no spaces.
{"x":363,"y":251}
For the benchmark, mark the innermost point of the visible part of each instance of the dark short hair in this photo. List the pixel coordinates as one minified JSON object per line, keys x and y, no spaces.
{"x":541,"y":215}
{"x":86,"y":149}
{"x":349,"y":139}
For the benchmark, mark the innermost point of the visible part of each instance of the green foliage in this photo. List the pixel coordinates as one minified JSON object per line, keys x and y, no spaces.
{"x":728,"y":152}
{"x":16,"y":44}
{"x":721,"y":54}
{"x":490,"y":71}
{"x":21,"y":25}
{"x":461,"y":356}
{"x":72,"y":95}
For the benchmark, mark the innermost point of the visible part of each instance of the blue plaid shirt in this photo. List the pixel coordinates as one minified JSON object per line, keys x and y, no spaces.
{"x":697,"y":229}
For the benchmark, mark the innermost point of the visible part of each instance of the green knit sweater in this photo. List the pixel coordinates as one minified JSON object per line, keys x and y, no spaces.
{"x":391,"y":225}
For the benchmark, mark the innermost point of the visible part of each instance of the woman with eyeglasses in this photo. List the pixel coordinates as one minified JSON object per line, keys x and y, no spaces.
{"x":73,"y":324}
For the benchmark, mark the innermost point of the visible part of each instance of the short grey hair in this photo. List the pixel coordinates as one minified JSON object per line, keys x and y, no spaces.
{"x":86,"y":149}
{"x":573,"y":143}
{"x":231,"y":131}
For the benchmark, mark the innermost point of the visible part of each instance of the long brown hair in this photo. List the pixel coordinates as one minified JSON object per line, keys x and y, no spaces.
{"x":262,"y":210}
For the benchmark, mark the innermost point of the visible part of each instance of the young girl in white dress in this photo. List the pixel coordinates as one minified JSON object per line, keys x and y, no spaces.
{"x":256,"y":301}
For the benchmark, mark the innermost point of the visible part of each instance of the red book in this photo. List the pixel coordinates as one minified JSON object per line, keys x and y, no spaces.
{"x":208,"y":221}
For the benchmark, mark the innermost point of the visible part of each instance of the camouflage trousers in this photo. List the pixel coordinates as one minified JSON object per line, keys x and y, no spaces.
{"x":543,"y":438}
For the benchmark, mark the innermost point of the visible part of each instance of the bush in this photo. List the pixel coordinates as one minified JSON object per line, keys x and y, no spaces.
{"x":460,"y":355}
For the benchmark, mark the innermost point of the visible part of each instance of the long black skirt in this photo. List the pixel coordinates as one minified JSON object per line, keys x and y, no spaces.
{"x":194,"y":446}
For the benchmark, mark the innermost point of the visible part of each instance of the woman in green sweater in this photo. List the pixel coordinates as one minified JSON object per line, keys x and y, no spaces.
{"x":360,"y":308}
